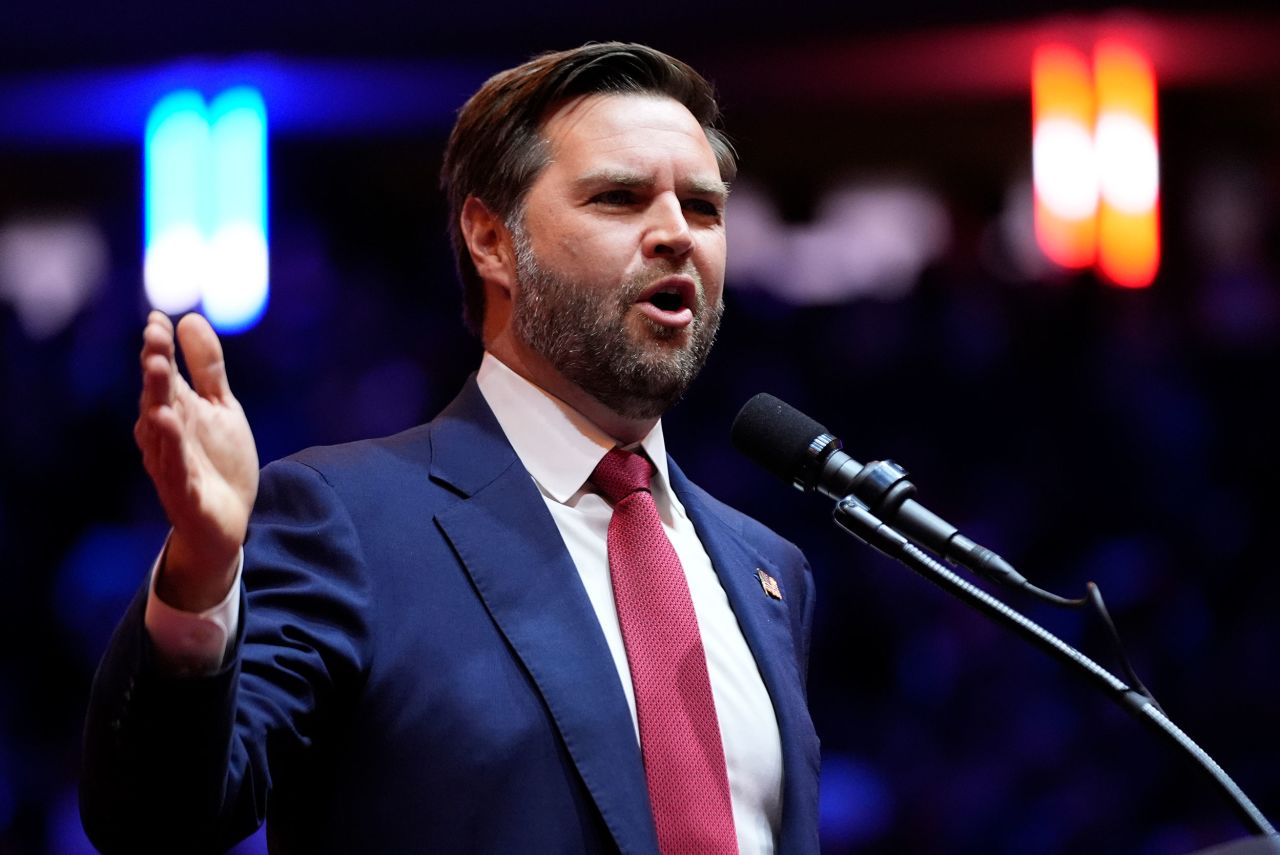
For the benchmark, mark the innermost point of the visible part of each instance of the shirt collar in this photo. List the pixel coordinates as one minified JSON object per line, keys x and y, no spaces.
{"x":558,"y":445}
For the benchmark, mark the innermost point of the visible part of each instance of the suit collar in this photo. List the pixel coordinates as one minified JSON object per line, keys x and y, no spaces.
{"x":468,"y":448}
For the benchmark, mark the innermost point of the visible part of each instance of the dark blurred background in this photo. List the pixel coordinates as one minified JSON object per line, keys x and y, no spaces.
{"x":884,"y":278}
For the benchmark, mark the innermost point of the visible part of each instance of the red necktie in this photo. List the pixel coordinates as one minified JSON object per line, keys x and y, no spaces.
{"x":679,"y":732}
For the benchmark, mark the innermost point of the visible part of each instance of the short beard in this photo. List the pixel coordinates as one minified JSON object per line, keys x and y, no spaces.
{"x":582,"y":331}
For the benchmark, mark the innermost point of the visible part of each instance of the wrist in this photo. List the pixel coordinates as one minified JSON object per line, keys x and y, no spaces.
{"x":194,"y":579}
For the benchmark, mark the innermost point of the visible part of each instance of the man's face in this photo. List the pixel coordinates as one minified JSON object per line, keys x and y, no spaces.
{"x":620,"y":251}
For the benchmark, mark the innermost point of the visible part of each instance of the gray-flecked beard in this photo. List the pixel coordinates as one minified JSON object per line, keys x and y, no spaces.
{"x":582,"y":331}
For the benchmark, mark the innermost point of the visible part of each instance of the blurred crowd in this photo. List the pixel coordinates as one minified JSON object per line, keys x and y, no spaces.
{"x":1084,"y":432}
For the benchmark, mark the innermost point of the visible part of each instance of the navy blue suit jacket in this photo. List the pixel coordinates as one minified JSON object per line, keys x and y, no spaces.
{"x":419,"y":670}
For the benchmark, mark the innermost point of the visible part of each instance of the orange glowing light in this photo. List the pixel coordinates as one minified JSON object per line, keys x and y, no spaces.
{"x":1126,"y":143}
{"x":1063,"y":169}
{"x":1095,"y":161}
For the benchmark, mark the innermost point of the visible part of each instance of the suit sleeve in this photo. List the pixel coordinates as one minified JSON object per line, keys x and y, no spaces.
{"x":186,"y":763}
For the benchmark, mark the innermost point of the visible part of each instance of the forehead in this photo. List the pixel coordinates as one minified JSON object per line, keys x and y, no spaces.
{"x":628,"y":131}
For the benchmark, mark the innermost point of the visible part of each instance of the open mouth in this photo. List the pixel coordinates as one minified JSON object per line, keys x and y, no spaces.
{"x":670,"y":302}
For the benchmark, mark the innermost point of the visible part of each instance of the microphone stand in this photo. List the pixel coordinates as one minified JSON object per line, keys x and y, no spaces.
{"x":852,"y":515}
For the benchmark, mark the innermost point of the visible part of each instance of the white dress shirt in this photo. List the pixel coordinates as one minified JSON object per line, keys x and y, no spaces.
{"x":560,"y":449}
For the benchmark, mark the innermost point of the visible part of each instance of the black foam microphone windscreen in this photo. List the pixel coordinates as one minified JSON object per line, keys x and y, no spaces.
{"x":775,"y":435}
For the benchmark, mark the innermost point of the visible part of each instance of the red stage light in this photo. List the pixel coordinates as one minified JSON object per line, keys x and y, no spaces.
{"x":1095,"y":161}
{"x":1128,"y":166}
{"x":1063,"y":169}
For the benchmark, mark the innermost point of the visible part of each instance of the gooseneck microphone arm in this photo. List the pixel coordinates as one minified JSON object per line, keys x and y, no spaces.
{"x":801,"y":451}
{"x":855,"y":518}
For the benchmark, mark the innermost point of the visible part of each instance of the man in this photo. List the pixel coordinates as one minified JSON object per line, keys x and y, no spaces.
{"x":485,"y":634}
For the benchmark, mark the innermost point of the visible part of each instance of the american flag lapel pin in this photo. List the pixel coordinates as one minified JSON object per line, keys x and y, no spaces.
{"x":769,"y":584}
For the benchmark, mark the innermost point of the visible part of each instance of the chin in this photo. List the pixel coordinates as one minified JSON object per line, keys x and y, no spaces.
{"x":635,"y":407}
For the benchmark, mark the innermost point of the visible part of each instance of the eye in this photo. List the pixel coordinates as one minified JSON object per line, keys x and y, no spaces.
{"x":617,"y":197}
{"x":703,"y":207}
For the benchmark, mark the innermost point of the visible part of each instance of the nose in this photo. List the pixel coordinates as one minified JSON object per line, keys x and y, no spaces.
{"x":667,"y":231}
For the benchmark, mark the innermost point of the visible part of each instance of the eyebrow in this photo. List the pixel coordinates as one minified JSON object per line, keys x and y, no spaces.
{"x":623,"y":178}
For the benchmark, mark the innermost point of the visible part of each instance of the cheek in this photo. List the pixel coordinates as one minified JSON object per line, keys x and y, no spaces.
{"x":713,"y":261}
{"x":597,"y":245}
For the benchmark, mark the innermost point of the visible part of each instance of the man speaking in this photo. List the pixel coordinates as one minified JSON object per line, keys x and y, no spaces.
{"x":519,"y":627}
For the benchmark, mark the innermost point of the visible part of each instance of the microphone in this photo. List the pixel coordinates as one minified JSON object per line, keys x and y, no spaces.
{"x":803,"y":452}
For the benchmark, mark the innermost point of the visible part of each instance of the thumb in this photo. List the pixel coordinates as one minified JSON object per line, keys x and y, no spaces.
{"x":203,"y":354}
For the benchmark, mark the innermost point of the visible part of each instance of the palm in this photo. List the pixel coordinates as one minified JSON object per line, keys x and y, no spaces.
{"x":196,"y":445}
{"x":213,"y":486}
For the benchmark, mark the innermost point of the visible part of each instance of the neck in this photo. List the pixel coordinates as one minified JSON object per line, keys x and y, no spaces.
{"x":538,"y":371}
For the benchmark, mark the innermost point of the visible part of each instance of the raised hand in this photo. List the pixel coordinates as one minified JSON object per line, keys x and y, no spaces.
{"x":199,"y":451}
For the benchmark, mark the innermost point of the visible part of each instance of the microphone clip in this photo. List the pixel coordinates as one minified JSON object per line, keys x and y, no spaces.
{"x":883,"y":486}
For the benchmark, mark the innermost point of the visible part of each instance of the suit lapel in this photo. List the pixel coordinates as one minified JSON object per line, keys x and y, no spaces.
{"x":509,"y":544}
{"x":766,"y":625}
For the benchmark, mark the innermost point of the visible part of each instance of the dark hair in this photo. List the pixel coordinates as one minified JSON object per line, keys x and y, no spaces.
{"x":496,"y":149}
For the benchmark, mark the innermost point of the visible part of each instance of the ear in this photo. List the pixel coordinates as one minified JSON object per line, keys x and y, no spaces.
{"x":489,"y":243}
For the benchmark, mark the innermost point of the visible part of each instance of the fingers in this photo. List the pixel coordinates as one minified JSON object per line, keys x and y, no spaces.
{"x":160,"y":385}
{"x":158,"y":428}
{"x":158,"y":434}
{"x":159,"y":369}
{"x":203,"y":353}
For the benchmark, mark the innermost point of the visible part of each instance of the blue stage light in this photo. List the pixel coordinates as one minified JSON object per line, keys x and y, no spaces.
{"x":206,"y":207}
{"x":177,"y":141}
{"x":237,"y":295}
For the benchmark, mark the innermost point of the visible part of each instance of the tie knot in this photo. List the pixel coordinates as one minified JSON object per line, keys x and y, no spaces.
{"x":621,"y":473}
